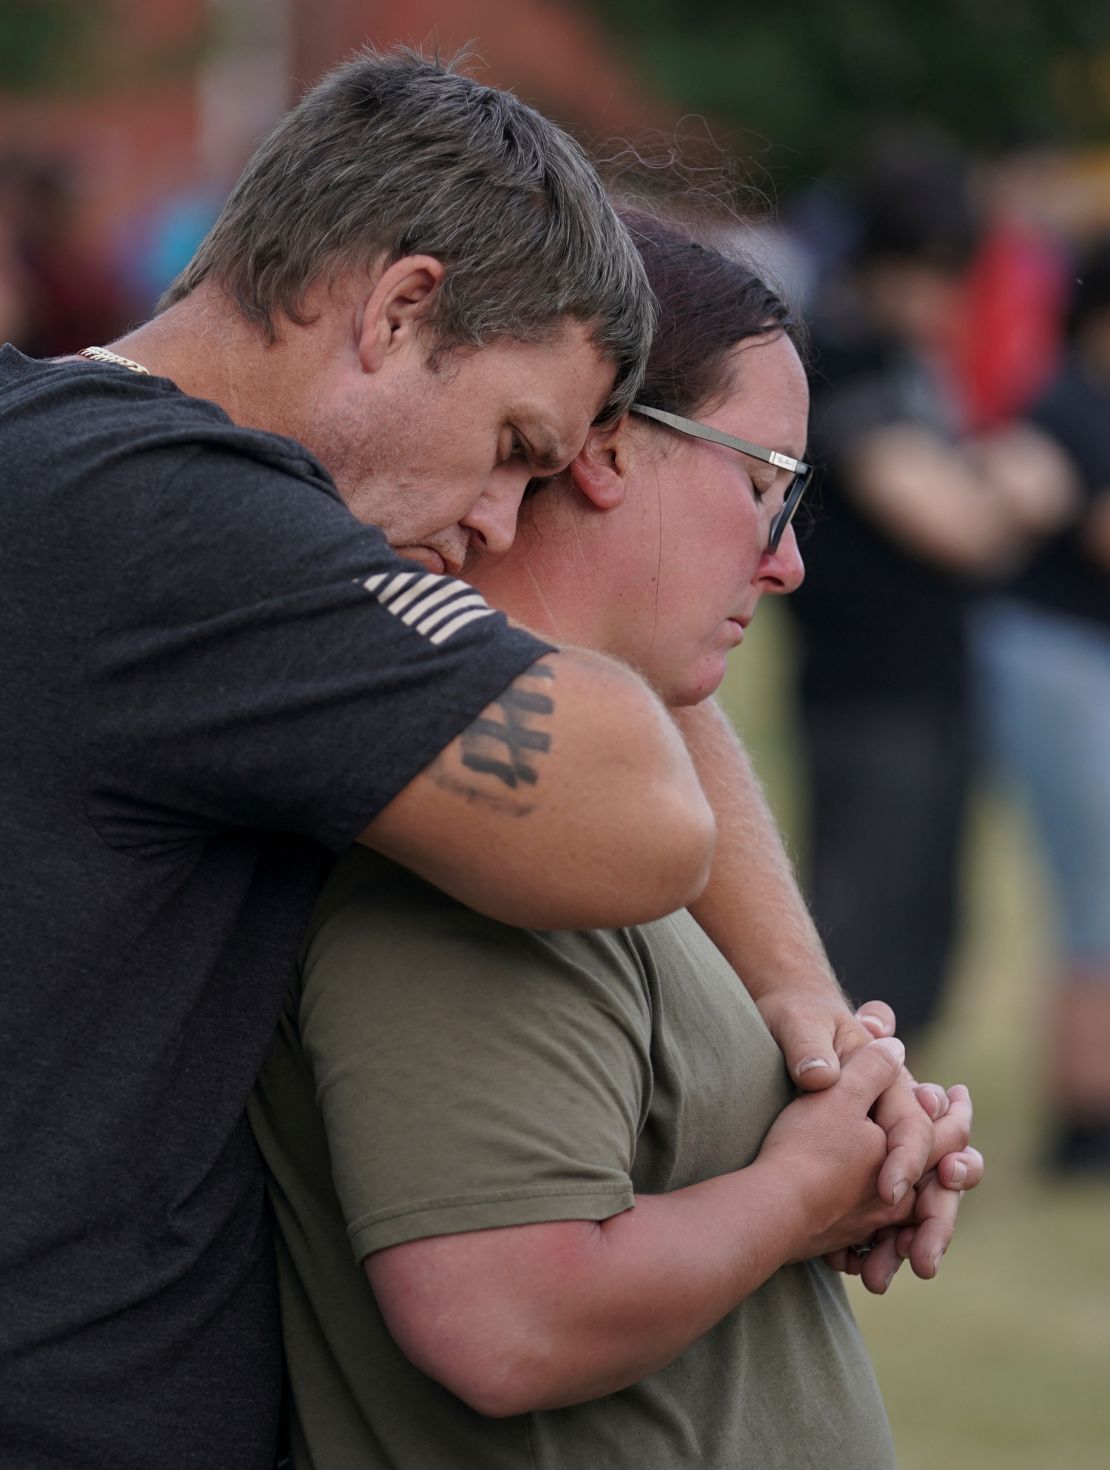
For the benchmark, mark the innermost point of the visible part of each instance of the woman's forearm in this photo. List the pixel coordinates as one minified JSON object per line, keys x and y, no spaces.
{"x":539,"y":1316}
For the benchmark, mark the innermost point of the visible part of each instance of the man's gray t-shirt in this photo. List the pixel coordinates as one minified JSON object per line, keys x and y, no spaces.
{"x":435,"y":1072}
{"x":208,"y":691}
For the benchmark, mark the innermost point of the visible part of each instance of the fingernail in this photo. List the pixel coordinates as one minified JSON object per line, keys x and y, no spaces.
{"x":936,"y":1261}
{"x":959,"y":1172}
{"x":809,"y":1064}
{"x":887,"y":1280}
{"x":893,"y":1046}
{"x":898,"y":1193}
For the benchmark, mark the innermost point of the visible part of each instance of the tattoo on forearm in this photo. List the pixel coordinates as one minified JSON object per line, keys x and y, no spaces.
{"x":507,"y":744}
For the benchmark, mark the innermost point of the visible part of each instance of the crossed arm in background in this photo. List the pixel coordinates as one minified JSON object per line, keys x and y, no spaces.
{"x":753,"y":911}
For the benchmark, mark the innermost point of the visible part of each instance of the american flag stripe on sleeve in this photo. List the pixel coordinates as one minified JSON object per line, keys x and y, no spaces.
{"x":437,"y":607}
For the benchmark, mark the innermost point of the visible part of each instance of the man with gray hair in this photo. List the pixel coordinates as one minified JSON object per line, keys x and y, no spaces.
{"x":219,"y":675}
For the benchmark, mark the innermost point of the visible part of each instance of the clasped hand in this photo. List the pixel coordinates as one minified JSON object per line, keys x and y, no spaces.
{"x":929,"y":1163}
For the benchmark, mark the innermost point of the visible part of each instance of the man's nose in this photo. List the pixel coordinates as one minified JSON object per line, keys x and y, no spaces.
{"x":492,"y":522}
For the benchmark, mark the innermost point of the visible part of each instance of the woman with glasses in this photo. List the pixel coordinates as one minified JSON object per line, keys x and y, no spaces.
{"x":590,"y":1215}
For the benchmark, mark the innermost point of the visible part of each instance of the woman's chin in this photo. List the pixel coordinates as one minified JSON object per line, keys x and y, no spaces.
{"x":699,"y":683}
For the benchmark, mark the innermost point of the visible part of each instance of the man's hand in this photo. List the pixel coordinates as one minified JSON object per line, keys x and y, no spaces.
{"x":829,"y":1145}
{"x":927,"y":1129}
{"x":816,"y":1030}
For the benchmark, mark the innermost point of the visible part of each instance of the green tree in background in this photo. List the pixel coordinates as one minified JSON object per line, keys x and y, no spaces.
{"x":42,"y":42}
{"x":812,"y":79}
{"x":78,"y":46}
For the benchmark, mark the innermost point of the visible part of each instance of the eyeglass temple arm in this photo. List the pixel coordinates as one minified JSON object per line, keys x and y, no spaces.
{"x":715,"y":436}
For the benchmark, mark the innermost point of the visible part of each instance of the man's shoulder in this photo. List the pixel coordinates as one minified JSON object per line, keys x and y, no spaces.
{"x":110,"y":417}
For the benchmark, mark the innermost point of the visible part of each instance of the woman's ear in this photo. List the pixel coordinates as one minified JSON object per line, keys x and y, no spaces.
{"x":598,"y":470}
{"x":396,"y":307}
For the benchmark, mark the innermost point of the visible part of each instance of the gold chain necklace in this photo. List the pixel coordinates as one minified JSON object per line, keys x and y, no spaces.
{"x":101,"y":354}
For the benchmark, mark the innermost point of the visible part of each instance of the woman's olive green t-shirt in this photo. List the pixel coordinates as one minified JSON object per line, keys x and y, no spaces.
{"x":437,"y":1072}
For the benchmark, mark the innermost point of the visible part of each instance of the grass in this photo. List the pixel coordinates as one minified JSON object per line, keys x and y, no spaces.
{"x":1004,"y":1359}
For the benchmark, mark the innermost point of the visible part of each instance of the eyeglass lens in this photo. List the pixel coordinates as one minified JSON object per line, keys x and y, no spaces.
{"x":795,"y":491}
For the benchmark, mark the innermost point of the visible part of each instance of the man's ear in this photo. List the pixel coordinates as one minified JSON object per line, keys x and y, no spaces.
{"x":598,"y":470}
{"x":396,"y":307}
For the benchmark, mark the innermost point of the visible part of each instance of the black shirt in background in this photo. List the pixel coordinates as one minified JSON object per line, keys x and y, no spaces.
{"x":876,"y":622}
{"x":1061,"y":577}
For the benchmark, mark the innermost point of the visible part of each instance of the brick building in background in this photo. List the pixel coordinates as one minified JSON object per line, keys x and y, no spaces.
{"x":152,"y":106}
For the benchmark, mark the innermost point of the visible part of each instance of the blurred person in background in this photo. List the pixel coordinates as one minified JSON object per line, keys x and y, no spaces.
{"x":16,"y":293}
{"x":1011,"y":341}
{"x":1044,"y":649}
{"x":914,"y":517}
{"x":68,"y":292}
{"x":13,"y":284}
{"x":163,"y":238}
{"x":586,"y":1238}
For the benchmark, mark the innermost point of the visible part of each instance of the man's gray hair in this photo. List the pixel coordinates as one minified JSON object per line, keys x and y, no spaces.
{"x":400,"y":154}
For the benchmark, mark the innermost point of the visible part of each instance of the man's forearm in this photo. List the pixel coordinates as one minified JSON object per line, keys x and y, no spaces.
{"x":753,"y":911}
{"x":752,"y":908}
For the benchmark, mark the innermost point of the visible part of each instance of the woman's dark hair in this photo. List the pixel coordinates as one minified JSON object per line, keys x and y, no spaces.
{"x":708,"y":304}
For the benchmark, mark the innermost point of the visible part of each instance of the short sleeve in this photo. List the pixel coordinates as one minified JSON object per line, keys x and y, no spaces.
{"x":267,"y":662}
{"x":470,"y":1075}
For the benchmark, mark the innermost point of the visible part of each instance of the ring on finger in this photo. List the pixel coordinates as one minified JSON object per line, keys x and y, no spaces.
{"x":864,"y":1250}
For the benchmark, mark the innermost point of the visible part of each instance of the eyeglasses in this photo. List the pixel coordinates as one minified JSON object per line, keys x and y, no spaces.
{"x":802,"y":472}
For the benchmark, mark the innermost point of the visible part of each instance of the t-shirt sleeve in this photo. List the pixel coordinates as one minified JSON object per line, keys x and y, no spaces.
{"x":470,"y":1075}
{"x":265,"y":661}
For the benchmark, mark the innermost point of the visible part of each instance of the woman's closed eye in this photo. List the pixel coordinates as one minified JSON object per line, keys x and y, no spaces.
{"x":762,"y":483}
